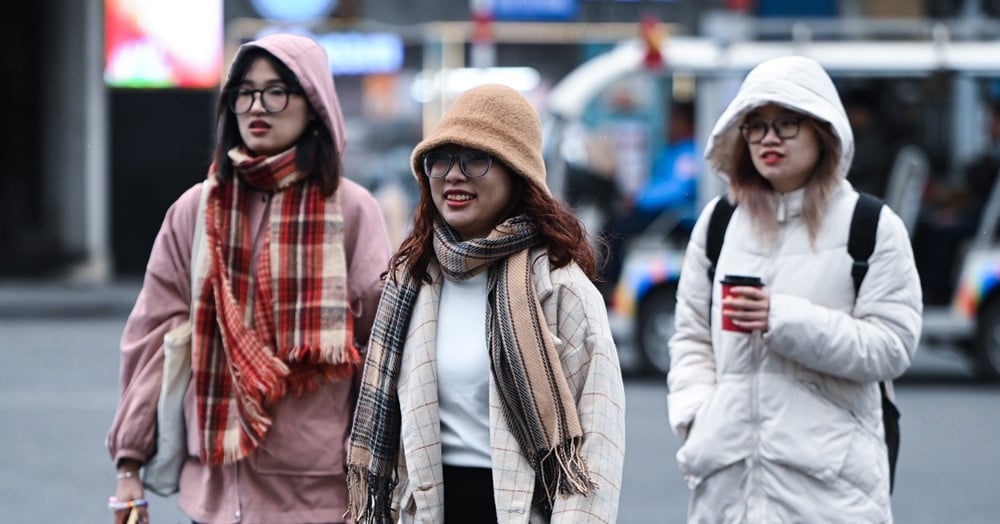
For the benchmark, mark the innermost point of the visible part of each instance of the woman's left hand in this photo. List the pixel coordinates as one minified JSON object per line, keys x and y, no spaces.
{"x":748,"y":307}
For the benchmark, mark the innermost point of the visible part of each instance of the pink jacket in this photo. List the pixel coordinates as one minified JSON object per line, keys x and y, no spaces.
{"x":297,"y":474}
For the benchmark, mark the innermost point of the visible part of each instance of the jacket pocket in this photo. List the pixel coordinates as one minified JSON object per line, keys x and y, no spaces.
{"x":866,"y":464}
{"x":407,"y":509}
{"x":804,"y":430}
{"x":720,"y":434}
{"x":307,"y":434}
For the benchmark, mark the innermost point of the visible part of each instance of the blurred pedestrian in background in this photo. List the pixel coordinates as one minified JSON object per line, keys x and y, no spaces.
{"x":874,"y":150}
{"x":952,"y":216}
{"x":286,"y":284}
{"x":492,"y":389}
{"x":671,"y":188}
{"x":782,"y":419}
{"x":981,"y":172}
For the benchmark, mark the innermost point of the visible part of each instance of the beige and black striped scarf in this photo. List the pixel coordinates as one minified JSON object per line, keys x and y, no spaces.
{"x":536,"y":398}
{"x":282,"y":328}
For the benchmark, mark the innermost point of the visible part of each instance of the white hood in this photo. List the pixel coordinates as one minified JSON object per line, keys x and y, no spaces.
{"x":795,"y":82}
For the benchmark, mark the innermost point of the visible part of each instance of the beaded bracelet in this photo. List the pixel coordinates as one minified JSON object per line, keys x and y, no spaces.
{"x":126,"y":475}
{"x":114,"y":505}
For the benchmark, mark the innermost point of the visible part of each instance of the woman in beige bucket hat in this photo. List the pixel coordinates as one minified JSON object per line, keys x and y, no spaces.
{"x":492,"y":390}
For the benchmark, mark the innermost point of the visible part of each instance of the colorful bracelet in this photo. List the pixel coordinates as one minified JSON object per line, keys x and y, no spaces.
{"x":114,"y":505}
{"x":126,"y":475}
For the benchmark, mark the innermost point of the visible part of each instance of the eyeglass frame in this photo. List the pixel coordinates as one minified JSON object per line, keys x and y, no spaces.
{"x":768,"y":126}
{"x":461,"y":163}
{"x":235,"y":93}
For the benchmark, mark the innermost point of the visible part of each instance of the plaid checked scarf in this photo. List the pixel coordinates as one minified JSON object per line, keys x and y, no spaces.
{"x":285,"y":328}
{"x":536,"y":398}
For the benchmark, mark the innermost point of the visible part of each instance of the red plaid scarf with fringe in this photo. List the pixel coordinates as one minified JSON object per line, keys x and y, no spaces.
{"x":279,"y":326}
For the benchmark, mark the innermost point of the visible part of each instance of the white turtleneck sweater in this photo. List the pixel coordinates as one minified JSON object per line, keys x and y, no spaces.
{"x":463,"y":373}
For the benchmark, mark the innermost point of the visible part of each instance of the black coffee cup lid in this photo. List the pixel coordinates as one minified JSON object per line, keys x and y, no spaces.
{"x":742,"y":280}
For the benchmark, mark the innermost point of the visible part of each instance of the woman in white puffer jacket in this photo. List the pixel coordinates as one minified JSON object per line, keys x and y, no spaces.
{"x":784,"y":423}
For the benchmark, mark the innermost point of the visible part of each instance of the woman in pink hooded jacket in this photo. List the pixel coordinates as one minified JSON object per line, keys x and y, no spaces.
{"x":285,"y":282}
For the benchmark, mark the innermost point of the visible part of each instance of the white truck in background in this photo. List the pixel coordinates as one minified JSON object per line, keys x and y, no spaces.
{"x":938,"y":85}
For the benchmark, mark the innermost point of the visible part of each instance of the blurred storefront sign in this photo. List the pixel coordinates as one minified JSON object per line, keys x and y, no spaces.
{"x":363,"y":53}
{"x":294,"y":10}
{"x":154,"y":44}
{"x":565,"y":10}
{"x":797,"y":8}
{"x":354,"y":52}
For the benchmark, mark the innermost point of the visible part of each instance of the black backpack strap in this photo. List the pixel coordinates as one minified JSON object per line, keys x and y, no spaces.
{"x":717,"y":225}
{"x":861,"y":245}
{"x":861,"y":240}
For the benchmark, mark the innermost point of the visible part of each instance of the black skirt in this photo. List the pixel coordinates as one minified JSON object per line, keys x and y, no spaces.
{"x":468,"y":495}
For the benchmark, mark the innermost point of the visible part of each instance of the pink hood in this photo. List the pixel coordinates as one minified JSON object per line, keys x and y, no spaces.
{"x":307,"y":59}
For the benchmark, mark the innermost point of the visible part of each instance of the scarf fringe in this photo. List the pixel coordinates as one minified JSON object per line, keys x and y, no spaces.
{"x":322,"y":355}
{"x":309,"y":380}
{"x":563,"y":470}
{"x":265,"y":384}
{"x":369,"y":496}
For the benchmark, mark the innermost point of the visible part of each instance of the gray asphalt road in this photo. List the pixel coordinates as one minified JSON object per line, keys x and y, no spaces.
{"x":58,"y":389}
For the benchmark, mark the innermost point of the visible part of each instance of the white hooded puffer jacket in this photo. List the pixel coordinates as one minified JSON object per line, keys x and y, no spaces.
{"x":786,"y":426}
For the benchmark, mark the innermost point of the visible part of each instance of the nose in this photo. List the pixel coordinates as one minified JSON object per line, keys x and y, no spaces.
{"x":455,"y":171}
{"x":254,"y":97}
{"x":771,"y":134}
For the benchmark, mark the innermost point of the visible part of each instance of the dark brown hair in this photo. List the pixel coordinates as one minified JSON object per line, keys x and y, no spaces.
{"x":315,"y":151}
{"x":563,"y":234}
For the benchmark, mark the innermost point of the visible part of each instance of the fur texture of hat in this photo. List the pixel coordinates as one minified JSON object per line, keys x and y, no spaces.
{"x":496,"y":119}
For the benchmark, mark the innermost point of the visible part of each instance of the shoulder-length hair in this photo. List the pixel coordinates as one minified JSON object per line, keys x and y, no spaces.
{"x":752,"y":191}
{"x":563,"y":234}
{"x":315,"y":152}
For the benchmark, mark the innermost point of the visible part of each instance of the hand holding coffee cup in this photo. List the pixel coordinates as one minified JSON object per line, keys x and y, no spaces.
{"x":745,"y":304}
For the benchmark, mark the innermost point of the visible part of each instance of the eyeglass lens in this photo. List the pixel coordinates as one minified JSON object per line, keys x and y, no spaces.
{"x":784,"y":127}
{"x":473,"y":163}
{"x":273,"y":99}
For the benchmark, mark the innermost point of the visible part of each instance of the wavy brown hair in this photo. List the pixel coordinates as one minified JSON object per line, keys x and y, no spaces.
{"x":562,"y":232}
{"x":751,"y":190}
{"x":315,"y":152}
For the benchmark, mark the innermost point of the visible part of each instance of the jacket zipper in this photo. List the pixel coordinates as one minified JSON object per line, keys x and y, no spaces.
{"x":754,"y":499}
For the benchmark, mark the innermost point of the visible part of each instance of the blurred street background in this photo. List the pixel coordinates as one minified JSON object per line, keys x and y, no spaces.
{"x":109,"y":112}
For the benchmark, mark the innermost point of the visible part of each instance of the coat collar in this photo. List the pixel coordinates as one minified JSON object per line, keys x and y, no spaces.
{"x":789,"y":205}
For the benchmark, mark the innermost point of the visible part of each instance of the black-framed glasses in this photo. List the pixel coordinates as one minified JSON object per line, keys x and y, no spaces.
{"x":472,"y":162}
{"x":273,"y":99}
{"x":784,"y":127}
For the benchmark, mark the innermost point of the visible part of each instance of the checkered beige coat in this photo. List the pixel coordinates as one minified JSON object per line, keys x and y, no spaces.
{"x":577,"y":318}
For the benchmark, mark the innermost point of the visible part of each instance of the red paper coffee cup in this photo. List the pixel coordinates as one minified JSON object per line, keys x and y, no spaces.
{"x":728,"y":283}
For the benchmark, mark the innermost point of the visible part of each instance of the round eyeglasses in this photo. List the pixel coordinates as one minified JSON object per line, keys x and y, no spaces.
{"x":785,"y":127}
{"x":472,"y":162}
{"x":273,"y":99}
